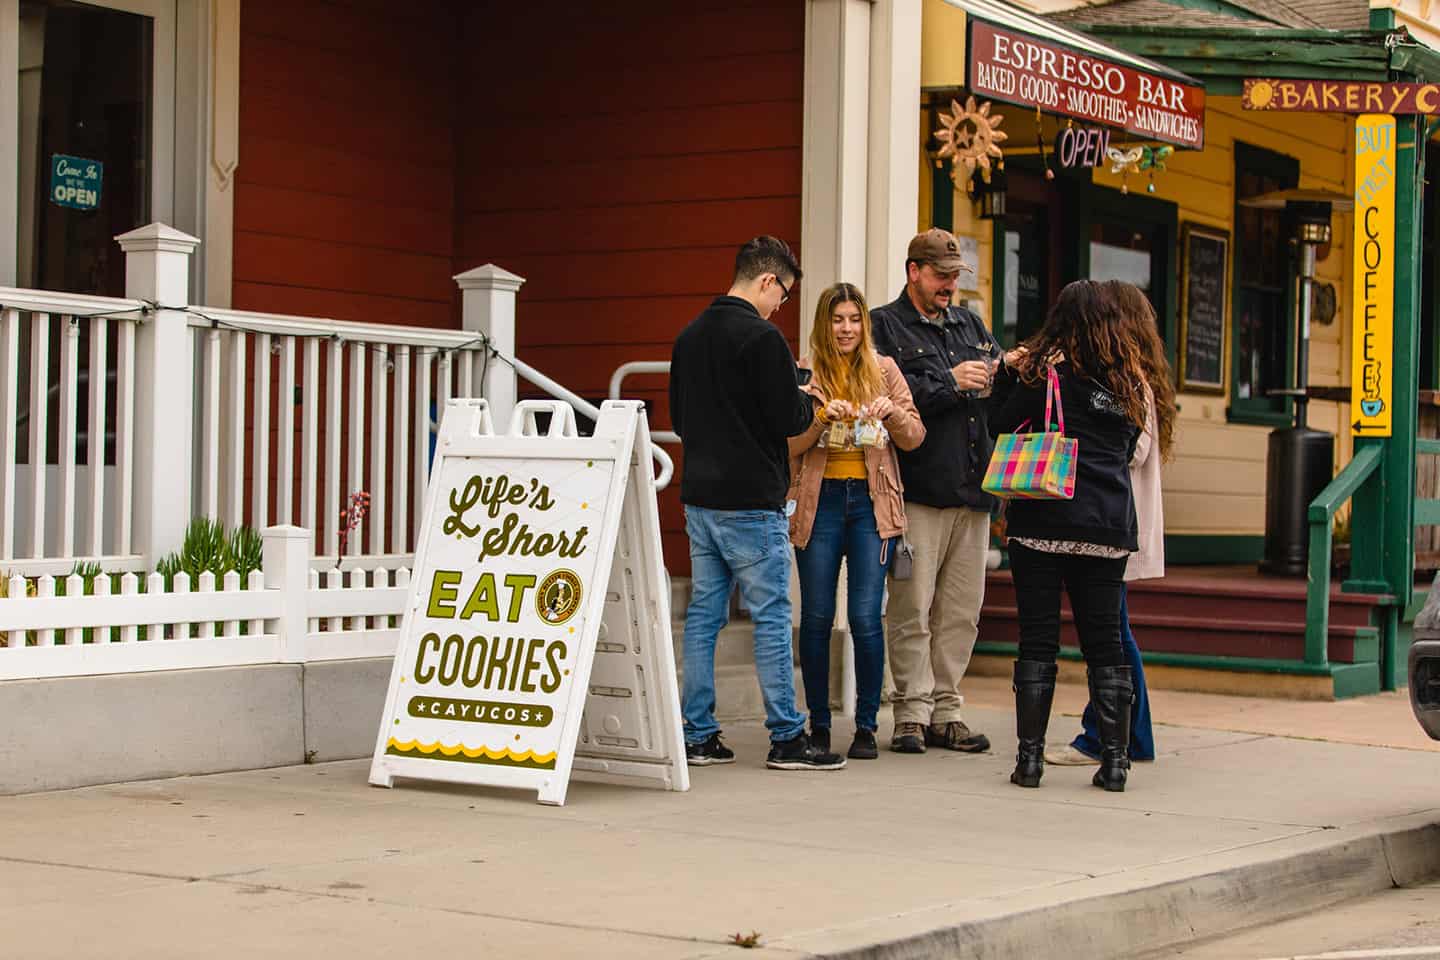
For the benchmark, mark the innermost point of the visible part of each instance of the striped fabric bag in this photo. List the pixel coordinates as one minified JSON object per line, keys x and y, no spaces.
{"x":1036,"y":465}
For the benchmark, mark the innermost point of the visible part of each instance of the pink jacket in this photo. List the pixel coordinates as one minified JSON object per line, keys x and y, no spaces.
{"x":1148,"y":562}
{"x":882,"y":469}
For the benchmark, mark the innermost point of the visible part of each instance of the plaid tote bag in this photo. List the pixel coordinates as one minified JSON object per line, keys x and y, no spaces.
{"x":1039,"y":465}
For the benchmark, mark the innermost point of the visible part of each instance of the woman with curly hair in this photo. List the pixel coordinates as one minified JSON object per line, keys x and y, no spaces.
{"x":1148,"y":563}
{"x":845,"y":487}
{"x":1080,"y":544}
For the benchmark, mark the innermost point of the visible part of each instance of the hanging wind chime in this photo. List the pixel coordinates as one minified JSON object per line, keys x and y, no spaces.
{"x":1128,"y":160}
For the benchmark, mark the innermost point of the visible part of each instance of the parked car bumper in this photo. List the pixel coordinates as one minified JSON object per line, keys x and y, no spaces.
{"x":1425,"y":684}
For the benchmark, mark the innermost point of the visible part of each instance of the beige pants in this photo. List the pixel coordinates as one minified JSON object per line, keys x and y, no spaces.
{"x":932,"y":617}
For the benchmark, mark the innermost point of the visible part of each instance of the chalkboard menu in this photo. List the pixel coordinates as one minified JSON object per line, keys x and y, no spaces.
{"x":1206,"y":262}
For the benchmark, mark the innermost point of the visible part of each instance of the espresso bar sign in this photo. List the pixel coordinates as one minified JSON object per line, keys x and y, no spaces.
{"x":1021,"y":69}
{"x":1341,"y":96}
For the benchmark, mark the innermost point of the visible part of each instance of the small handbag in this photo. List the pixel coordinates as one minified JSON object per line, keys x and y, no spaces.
{"x":902,"y":563}
{"x":1039,"y":465}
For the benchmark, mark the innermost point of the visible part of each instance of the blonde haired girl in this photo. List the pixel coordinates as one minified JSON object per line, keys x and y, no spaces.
{"x":847,"y":503}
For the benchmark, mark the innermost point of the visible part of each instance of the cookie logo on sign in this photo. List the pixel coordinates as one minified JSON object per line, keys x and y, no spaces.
{"x":558,"y":597}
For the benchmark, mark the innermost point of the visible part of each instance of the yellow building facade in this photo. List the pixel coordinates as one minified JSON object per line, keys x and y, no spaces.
{"x":1214,"y":490}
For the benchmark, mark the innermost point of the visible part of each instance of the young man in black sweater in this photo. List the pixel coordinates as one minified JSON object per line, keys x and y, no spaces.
{"x":734,"y":399}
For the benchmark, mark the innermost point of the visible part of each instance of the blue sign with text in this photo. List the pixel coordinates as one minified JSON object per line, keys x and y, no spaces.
{"x":75,"y":181}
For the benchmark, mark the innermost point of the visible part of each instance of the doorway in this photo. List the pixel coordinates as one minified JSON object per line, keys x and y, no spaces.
{"x":96,"y":126}
{"x":1066,"y":229}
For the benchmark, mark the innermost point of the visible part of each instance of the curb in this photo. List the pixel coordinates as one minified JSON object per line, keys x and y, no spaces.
{"x":1139,"y":912}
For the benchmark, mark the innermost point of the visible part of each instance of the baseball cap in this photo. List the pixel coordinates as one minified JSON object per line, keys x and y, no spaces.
{"x":937,"y":247}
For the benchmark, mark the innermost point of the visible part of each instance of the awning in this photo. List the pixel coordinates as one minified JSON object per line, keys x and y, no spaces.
{"x":1017,"y":57}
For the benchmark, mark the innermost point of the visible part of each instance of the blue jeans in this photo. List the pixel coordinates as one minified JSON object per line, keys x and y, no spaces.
{"x":752,"y":548}
{"x":844,"y":527}
{"x":1142,"y":735}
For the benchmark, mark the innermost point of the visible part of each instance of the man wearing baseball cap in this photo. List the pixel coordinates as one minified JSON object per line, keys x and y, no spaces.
{"x":949,"y":359}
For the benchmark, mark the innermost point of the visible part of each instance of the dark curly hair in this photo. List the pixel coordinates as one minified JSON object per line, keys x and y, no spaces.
{"x":1087,"y":327}
{"x":1138,"y":317}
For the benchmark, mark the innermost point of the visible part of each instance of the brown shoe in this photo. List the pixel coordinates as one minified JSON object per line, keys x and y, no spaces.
{"x":956,"y":736}
{"x":908,"y":738}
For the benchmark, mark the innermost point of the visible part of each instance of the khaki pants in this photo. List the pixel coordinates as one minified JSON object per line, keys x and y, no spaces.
{"x":933,"y":616}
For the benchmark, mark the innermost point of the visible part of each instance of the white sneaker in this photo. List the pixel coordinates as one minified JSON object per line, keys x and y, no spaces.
{"x":1069,"y":757}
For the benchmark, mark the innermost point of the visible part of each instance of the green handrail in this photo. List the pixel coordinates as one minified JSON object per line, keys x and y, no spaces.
{"x":1322,"y":511}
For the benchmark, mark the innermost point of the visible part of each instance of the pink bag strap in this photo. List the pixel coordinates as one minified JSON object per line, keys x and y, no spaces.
{"x":1052,"y":398}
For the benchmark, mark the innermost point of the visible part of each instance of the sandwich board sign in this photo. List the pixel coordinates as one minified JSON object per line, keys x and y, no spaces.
{"x":536,"y":636}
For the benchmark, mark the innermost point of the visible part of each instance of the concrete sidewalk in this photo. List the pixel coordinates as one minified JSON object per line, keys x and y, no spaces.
{"x":911,"y":857}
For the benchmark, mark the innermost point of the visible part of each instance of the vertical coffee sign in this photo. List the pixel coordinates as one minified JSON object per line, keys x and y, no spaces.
{"x":1374,"y":276}
{"x":506,"y":584}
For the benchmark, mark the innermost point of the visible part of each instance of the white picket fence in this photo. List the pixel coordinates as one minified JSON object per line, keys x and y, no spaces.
{"x":290,"y":613}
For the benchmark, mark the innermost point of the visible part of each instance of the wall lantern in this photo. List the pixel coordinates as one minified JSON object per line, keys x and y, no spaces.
{"x":989,"y":190}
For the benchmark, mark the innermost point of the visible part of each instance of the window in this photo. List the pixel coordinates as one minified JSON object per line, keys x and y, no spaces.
{"x":1261,"y":340}
{"x":1026,"y":287}
{"x":1132,"y":238}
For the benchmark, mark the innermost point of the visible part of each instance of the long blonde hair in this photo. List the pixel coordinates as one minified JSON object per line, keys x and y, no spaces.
{"x":857,"y":377}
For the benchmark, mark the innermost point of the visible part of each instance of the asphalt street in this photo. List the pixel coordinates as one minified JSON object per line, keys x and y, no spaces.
{"x":1397,"y":923}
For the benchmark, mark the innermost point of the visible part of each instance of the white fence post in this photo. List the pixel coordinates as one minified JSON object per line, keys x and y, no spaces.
{"x":285,"y":559}
{"x":488,"y":306}
{"x":157,"y":268}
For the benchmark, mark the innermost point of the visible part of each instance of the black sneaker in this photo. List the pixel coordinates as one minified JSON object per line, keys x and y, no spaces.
{"x":863,"y":746}
{"x":801,"y":754}
{"x":820,"y":738}
{"x":708,"y":751}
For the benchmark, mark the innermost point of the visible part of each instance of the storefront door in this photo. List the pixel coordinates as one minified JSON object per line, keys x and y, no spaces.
{"x":1068,"y":229}
{"x":95,"y":112}
{"x":1027,"y":239}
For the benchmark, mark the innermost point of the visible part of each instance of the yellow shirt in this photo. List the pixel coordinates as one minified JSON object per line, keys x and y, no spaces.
{"x":846,"y":464}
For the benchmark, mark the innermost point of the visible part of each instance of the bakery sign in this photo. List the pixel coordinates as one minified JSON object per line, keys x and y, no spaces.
{"x":1341,"y":96}
{"x":1017,"y":68}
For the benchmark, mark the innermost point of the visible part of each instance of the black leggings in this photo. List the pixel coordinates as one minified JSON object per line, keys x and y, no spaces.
{"x":1096,"y":586}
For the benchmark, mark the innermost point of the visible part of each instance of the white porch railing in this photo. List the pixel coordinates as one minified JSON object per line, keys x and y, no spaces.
{"x":121,"y":419}
{"x":296,"y":415}
{"x":67,"y":429}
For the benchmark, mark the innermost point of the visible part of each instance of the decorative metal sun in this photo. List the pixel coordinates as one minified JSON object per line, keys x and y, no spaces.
{"x":972,"y":136}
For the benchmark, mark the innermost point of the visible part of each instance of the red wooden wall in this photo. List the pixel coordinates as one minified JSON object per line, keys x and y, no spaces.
{"x":615,"y":155}
{"x":345,"y":193}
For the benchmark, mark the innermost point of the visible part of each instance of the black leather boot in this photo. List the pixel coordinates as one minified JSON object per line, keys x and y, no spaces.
{"x":1111,"y":693}
{"x":1034,"y":692}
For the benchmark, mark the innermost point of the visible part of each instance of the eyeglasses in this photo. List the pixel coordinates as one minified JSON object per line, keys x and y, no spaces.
{"x":784,"y":290}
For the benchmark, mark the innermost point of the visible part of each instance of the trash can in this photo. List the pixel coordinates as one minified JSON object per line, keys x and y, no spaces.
{"x":1425,"y":664}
